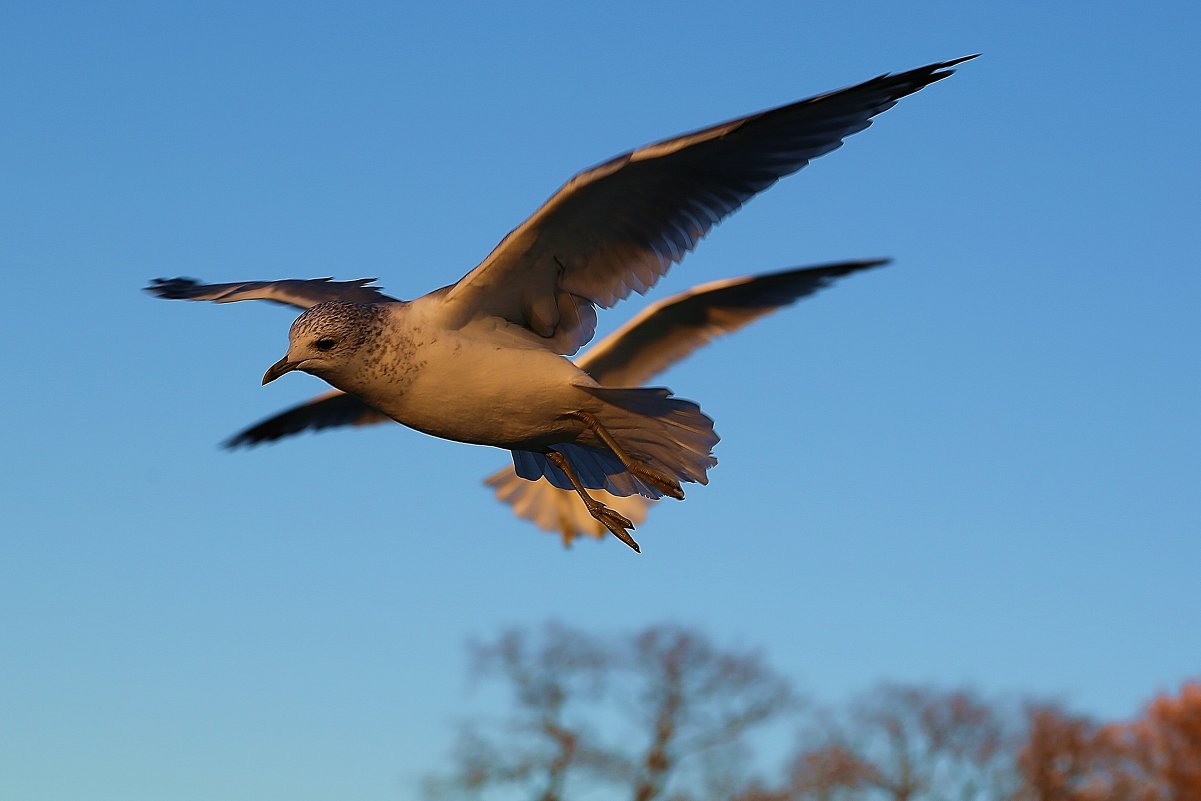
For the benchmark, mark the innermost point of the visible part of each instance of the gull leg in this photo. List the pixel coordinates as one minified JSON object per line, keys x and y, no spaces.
{"x":663,"y":483}
{"x":616,"y":523}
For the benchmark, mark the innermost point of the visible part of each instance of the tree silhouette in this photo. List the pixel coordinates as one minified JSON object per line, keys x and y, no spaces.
{"x":633,"y":714}
{"x":666,"y":714}
{"x":907,"y":743}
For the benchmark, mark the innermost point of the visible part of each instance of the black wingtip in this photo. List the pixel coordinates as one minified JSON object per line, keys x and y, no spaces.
{"x":242,"y":439}
{"x":932,"y":73}
{"x":249,"y":438}
{"x":171,"y":288}
{"x":944,"y":70}
{"x":960,"y":60}
{"x":257,"y":434}
{"x":840,"y":268}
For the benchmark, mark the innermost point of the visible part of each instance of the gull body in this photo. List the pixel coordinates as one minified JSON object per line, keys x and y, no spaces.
{"x":401,"y":359}
{"x":482,"y":360}
{"x":490,"y":382}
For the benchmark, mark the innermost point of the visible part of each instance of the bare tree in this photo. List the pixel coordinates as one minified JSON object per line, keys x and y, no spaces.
{"x":553,"y":679}
{"x":667,"y":715}
{"x":695,"y":699}
{"x":905,"y":743}
{"x":635,"y":713}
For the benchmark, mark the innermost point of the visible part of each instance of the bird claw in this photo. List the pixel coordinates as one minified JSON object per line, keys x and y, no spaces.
{"x":616,"y":522}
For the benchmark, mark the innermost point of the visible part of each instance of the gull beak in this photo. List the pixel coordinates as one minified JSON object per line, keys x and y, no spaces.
{"x":279,"y":368}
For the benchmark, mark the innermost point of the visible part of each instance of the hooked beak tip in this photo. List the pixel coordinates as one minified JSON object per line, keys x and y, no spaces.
{"x":276,"y":370}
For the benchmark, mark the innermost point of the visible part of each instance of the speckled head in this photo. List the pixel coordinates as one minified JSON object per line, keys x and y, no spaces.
{"x":326,"y":337}
{"x":351,"y":322}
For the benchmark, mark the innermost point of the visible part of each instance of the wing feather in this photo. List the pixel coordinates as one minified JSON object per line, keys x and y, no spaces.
{"x":324,"y":411}
{"x":668,"y":331}
{"x":303,"y":293}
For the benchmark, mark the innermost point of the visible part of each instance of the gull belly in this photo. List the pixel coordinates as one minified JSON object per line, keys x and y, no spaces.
{"x":485,"y":383}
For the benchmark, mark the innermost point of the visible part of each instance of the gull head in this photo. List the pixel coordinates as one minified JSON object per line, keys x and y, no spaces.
{"x":328,"y":339}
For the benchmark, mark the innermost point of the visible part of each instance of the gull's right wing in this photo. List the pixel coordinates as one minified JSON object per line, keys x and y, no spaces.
{"x":662,"y":335}
{"x":302,"y":293}
{"x":616,"y":228}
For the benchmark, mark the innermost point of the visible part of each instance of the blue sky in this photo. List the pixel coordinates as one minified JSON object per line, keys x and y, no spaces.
{"x":977,"y":465}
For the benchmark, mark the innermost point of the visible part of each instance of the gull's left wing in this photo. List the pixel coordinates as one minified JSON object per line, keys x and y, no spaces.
{"x":616,"y":228}
{"x":668,"y":331}
{"x":330,"y":410}
{"x":292,"y":292}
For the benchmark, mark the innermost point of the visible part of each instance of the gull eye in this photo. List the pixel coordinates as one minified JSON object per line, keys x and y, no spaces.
{"x":325,"y":343}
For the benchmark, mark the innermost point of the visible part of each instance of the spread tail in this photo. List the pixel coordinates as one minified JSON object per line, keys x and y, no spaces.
{"x":668,"y":435}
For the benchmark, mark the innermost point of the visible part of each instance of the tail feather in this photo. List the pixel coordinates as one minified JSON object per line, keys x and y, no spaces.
{"x":667,"y":434}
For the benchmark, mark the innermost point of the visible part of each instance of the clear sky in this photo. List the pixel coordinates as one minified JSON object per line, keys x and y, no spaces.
{"x":980,"y":464}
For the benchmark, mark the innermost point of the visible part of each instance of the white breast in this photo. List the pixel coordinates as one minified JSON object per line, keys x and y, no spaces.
{"x":482,"y":384}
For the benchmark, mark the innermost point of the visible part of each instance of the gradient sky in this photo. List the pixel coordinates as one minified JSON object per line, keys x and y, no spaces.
{"x":979,"y":464}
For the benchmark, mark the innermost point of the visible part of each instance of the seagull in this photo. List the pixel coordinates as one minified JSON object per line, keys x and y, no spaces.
{"x":662,"y":335}
{"x":483,"y":360}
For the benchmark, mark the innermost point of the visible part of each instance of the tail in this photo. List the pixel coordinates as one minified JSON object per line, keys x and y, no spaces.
{"x":663,"y":432}
{"x":666,"y":434}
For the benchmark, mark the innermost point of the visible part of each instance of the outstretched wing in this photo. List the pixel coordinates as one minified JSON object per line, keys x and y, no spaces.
{"x":662,"y":335}
{"x":668,"y":331}
{"x":292,"y":292}
{"x":616,"y":228}
{"x":329,"y":410}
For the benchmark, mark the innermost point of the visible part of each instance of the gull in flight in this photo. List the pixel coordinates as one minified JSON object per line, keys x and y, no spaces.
{"x":662,"y":335}
{"x":482,"y":361}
